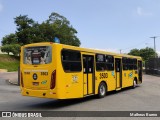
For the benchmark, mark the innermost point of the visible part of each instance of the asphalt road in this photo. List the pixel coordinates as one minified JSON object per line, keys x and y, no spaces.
{"x":145,"y":97}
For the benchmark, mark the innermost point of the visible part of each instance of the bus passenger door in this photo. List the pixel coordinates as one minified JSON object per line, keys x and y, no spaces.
{"x":118,"y":73}
{"x":88,"y":75}
{"x":140,"y":71}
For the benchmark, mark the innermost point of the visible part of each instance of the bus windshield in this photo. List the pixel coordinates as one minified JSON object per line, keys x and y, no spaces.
{"x":37,"y":55}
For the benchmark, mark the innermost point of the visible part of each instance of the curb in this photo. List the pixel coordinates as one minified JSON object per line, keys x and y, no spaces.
{"x":3,"y":70}
{"x":10,"y":77}
{"x":12,"y":82}
{"x":13,"y":72}
{"x":9,"y":81}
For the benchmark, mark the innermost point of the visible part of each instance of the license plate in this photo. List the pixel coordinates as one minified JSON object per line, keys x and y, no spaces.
{"x":35,"y":83}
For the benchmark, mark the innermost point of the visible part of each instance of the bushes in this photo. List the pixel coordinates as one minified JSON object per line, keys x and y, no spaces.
{"x":11,"y":48}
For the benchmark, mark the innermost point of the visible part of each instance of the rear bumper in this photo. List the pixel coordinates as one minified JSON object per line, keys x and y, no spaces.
{"x":39,"y":93}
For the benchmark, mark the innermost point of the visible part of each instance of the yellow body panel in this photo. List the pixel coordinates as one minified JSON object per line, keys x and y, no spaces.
{"x":118,"y":80}
{"x":90,"y":84}
{"x":85,"y":84}
{"x":127,"y":78}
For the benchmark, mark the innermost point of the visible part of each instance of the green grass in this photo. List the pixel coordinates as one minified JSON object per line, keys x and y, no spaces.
{"x":9,"y":62}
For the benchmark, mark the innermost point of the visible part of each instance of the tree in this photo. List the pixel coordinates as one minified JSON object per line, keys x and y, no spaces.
{"x":134,"y":52}
{"x":145,"y":53}
{"x":11,"y":48}
{"x":6,"y":48}
{"x":45,"y":32}
{"x":10,"y":39}
{"x":22,"y":22}
{"x":10,"y":44}
{"x":63,"y":30}
{"x":24,"y":25}
{"x":28,"y":31}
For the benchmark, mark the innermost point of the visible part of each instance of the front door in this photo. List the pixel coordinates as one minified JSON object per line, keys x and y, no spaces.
{"x":118,"y":73}
{"x":88,"y":75}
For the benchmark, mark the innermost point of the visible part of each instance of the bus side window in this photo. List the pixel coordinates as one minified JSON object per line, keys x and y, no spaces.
{"x":125,"y":64}
{"x":100,"y":62}
{"x":104,"y":62}
{"x":71,"y":60}
{"x":90,"y":65}
{"x":110,"y":62}
{"x":118,"y":66}
{"x":84,"y":65}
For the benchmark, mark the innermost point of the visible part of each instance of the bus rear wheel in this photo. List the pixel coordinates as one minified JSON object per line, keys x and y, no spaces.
{"x":102,"y":89}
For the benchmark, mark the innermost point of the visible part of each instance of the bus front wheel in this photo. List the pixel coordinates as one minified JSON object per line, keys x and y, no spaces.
{"x":102,"y":90}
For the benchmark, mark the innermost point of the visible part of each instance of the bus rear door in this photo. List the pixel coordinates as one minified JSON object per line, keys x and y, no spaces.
{"x":88,"y":75}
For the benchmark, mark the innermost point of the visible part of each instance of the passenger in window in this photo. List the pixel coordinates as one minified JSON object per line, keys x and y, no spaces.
{"x":28,"y":61}
{"x":42,"y":60}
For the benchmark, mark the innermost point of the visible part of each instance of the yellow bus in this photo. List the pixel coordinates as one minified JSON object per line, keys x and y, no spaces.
{"x":51,"y":70}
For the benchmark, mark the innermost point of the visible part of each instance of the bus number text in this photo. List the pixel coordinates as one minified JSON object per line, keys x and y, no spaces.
{"x":44,"y":73}
{"x":103,"y":75}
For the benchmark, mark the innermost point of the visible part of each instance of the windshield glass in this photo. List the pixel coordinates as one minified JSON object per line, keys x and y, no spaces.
{"x":38,"y":55}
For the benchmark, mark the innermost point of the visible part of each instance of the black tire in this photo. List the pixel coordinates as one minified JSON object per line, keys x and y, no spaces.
{"x":134,"y":84}
{"x":102,"y":89}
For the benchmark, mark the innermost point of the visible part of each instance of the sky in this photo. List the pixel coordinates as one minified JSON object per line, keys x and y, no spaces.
{"x":111,"y":25}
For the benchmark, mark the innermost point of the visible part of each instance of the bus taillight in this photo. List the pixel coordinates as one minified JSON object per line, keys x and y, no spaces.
{"x":53,"y":80}
{"x":22,"y":80}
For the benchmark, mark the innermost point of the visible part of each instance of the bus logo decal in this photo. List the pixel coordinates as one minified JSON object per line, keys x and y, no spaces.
{"x":75,"y":78}
{"x":44,"y":82}
{"x":130,"y":75}
{"x":112,"y":73}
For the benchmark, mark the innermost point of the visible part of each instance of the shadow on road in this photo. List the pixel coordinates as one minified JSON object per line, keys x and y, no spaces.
{"x":55,"y":104}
